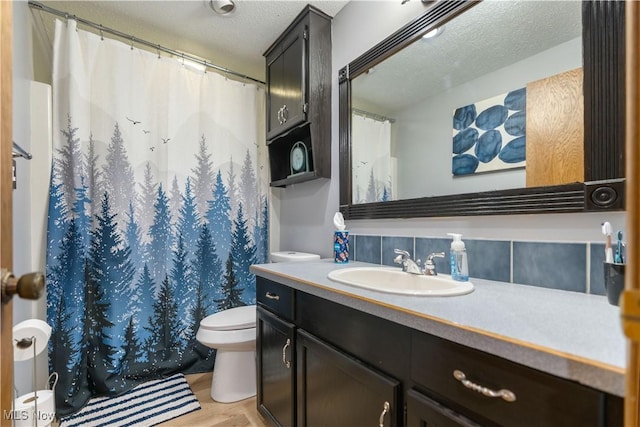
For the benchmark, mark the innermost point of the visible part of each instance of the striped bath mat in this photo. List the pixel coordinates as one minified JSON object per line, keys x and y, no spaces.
{"x":148,"y":404}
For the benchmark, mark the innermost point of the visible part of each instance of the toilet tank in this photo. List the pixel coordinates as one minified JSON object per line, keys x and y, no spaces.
{"x":288,"y":256}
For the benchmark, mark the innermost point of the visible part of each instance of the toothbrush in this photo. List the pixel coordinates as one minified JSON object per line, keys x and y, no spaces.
{"x":619,"y":257}
{"x":608,"y":252}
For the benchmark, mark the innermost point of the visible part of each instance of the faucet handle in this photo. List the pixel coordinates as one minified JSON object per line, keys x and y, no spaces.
{"x":430,"y":266}
{"x":402,"y":253}
{"x":435,"y":255}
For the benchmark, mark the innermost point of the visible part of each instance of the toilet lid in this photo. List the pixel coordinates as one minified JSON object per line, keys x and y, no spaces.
{"x":231,"y":319}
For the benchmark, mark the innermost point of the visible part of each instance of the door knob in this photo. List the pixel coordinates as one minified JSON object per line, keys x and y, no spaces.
{"x":28,"y":286}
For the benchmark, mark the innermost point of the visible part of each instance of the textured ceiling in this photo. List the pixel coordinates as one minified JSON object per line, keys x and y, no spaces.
{"x":489,"y":36}
{"x":235,"y":42}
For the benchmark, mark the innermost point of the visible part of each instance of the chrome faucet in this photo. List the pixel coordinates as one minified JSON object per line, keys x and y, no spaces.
{"x":408,"y":265}
{"x":430,"y":266}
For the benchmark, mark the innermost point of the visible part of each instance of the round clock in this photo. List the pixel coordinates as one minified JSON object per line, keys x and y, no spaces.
{"x":298,"y":158}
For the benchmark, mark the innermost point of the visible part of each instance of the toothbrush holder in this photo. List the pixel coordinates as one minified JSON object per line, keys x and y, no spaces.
{"x":614,"y":281}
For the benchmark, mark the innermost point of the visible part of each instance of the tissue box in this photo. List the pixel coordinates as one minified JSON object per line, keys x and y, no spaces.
{"x":341,"y":246}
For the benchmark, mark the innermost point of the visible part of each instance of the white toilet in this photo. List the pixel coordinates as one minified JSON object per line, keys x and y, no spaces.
{"x":233,"y":333}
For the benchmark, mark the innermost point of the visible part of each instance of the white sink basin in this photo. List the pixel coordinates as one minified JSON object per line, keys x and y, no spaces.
{"x":395,"y":281}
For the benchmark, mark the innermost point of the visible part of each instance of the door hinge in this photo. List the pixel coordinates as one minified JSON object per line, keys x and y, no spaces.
{"x":630,"y":313}
{"x":305,"y":107}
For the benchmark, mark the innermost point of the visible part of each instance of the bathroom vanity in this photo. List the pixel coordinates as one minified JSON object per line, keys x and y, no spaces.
{"x":331,"y":354}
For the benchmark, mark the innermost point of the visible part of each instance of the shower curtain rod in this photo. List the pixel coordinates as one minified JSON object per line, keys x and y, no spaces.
{"x":373,"y":115}
{"x":133,"y":39}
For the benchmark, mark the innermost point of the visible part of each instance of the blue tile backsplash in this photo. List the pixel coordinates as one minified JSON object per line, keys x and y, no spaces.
{"x":573,"y":267}
{"x":368,"y":249}
{"x":551,"y":265}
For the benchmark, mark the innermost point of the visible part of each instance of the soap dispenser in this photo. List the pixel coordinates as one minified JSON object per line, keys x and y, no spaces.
{"x":458,"y":259}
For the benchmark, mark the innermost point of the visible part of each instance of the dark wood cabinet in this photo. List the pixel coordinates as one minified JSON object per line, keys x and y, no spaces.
{"x":345,"y":364}
{"x":276,"y":368}
{"x":298,"y":74}
{"x":286,"y":89}
{"x":340,"y":391}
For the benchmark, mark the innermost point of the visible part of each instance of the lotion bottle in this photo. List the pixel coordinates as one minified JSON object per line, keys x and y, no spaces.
{"x":458,"y":259}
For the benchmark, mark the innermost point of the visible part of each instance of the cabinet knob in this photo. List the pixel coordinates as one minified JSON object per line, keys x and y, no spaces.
{"x":284,"y":354}
{"x":385,"y":409}
{"x":507,"y":395}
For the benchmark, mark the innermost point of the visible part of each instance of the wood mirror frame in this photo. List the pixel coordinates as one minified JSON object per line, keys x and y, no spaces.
{"x":604,"y":123}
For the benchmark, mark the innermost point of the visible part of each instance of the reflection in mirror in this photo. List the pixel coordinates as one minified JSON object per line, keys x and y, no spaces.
{"x":451,"y":114}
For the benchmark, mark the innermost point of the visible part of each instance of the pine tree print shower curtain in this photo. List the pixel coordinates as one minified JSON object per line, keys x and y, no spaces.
{"x":157,"y":209}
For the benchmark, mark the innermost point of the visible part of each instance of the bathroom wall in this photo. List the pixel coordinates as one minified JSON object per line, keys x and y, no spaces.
{"x":307,"y":209}
{"x":30,"y":196}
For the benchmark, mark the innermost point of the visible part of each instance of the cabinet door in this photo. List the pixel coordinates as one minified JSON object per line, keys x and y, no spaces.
{"x":424,"y":412}
{"x":275,"y":349}
{"x":286,"y":77}
{"x":337,"y":390}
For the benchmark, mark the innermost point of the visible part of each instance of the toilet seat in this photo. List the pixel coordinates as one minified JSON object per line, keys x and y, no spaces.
{"x":231,"y":320}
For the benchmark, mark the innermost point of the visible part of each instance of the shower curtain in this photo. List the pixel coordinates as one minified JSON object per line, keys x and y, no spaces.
{"x":157,"y":209}
{"x":371,"y":149}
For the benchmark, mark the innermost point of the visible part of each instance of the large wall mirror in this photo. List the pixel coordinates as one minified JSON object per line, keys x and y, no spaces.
{"x":491,"y":107}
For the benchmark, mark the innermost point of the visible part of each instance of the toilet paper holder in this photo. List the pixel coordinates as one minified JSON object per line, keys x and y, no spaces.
{"x":32,"y":334}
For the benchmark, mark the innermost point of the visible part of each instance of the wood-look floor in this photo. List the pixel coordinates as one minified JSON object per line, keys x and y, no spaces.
{"x":214,"y":414}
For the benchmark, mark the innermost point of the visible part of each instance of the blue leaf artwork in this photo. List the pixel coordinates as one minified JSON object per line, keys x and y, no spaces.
{"x":514,"y":151}
{"x":490,"y":135}
{"x":464,"y":116}
{"x":465,"y":164}
{"x":488,"y":146}
{"x":464,"y":140}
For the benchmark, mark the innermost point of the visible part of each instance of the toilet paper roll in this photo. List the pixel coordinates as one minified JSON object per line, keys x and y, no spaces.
{"x":26,"y":330}
{"x":25,"y":409}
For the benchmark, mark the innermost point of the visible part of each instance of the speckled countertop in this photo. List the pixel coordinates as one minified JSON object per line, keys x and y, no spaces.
{"x":568,"y":334}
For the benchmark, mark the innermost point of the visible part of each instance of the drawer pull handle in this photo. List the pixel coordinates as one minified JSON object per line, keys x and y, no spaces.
{"x":284,"y":354}
{"x":272,"y":296}
{"x":385,"y":409}
{"x":507,"y":395}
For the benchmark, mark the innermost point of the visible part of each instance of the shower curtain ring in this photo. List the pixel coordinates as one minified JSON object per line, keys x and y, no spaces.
{"x":101,"y":33}
{"x":158,"y":49}
{"x":205,"y":66}
{"x":131,"y":42}
{"x":183,"y":59}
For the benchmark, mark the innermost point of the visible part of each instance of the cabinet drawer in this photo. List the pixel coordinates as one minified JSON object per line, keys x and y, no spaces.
{"x":277,"y":298}
{"x":540,"y":399}
{"x":422,"y":411}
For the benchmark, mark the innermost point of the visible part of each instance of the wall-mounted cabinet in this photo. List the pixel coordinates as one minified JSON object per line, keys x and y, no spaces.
{"x":298,"y":73}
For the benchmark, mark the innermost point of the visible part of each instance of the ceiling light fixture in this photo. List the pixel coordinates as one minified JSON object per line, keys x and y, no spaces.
{"x":223,"y":7}
{"x":434,"y":33}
